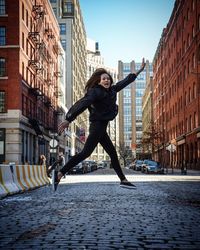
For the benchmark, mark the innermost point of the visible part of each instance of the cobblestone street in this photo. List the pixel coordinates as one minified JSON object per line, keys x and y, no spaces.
{"x":92,"y":212}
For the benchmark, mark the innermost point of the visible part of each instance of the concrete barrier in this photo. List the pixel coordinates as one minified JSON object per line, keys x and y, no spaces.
{"x":7,"y":180}
{"x":19,"y":178}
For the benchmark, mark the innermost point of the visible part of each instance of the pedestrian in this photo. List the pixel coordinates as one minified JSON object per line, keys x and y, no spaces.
{"x":61,"y":162}
{"x":100,"y":99}
{"x":42,"y":160}
{"x":58,"y":164}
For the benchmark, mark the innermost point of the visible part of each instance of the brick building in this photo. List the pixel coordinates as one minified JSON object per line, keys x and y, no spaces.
{"x":176,"y":94}
{"x":29,"y":51}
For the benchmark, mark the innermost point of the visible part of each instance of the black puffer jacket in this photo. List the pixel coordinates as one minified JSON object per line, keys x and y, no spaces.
{"x":101,"y":102}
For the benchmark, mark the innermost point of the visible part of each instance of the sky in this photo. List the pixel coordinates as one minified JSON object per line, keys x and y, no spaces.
{"x":126,"y":29}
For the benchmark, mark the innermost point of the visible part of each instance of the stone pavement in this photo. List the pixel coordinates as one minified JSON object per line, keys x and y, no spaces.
{"x":92,"y":212}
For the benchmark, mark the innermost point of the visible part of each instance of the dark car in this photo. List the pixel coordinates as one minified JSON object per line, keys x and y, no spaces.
{"x":91,"y":165}
{"x":79,"y":169}
{"x":150,"y":166}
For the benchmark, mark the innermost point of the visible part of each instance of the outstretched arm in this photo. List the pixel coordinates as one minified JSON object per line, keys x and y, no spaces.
{"x":77,"y":109}
{"x":141,"y":68}
{"x":129,"y":79}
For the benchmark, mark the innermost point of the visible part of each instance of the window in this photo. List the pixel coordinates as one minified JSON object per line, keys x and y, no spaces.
{"x":188,"y":40}
{"x":184,"y":22}
{"x":64,"y":44}
{"x":184,"y":46}
{"x":62,"y":28}
{"x":2,"y":7}
{"x":2,"y":36}
{"x":2,"y":67}
{"x":2,"y":102}
{"x":27,"y":46}
{"x":199,"y":22}
{"x":193,"y":61}
{"x":22,"y":11}
{"x":23,"y":40}
{"x":27,"y":18}
{"x":67,"y":7}
{"x":23,"y":70}
{"x":188,"y":14}
{"x":55,"y":11}
{"x":193,"y":5}
{"x":198,"y":56}
{"x":194,"y":90}
{"x":189,"y":95}
{"x":193,"y":31}
{"x":186,"y":125}
{"x":190,"y":123}
{"x":189,"y":67}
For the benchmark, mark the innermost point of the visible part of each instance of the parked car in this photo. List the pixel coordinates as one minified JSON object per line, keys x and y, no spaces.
{"x":150,"y":166}
{"x":91,"y":165}
{"x":80,"y":168}
{"x":101,"y":165}
{"x":144,"y":164}
{"x":137,"y":165}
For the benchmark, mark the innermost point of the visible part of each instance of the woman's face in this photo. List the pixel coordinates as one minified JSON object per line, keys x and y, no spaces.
{"x":105,"y":81}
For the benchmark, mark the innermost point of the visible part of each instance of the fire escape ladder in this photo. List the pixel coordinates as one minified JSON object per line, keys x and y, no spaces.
{"x":36,"y":126}
{"x":38,"y":11}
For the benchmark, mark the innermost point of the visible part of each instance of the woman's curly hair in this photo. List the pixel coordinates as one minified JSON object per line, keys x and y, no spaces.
{"x":96,"y":78}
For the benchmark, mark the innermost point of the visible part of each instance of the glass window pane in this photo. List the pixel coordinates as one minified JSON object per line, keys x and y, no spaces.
{"x":62,"y":28}
{"x":2,"y":101}
{"x":2,"y":36}
{"x":2,"y":67}
{"x":2,"y":7}
{"x":64,"y":44}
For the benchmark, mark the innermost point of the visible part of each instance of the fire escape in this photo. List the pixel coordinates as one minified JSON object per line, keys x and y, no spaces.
{"x":34,"y":63}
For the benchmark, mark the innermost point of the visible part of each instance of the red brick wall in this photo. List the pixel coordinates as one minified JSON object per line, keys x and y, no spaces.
{"x":175,"y":75}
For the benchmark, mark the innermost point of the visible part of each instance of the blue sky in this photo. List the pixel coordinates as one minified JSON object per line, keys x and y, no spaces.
{"x":126,"y":29}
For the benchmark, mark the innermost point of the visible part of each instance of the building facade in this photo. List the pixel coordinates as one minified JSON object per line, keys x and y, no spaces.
{"x":177,"y":88}
{"x":147,"y":120}
{"x":29,"y":90}
{"x":130,"y":117}
{"x":73,"y":39}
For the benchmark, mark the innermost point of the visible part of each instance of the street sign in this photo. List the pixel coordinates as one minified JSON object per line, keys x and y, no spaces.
{"x":53,"y":143}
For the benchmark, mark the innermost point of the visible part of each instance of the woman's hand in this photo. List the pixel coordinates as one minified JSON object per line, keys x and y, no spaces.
{"x":142,"y":67}
{"x":62,"y":126}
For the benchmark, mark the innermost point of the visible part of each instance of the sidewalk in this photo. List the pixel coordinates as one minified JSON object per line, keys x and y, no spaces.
{"x":178,"y":172}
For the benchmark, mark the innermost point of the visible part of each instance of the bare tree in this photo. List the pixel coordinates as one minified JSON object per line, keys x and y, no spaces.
{"x":151,"y":138}
{"x":125,"y":153}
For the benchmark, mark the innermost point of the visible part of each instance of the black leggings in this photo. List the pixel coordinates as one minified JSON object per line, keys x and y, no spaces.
{"x":97,"y":134}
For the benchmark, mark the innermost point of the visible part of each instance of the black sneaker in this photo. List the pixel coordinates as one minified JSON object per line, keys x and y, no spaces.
{"x":127,"y":184}
{"x":54,"y":180}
